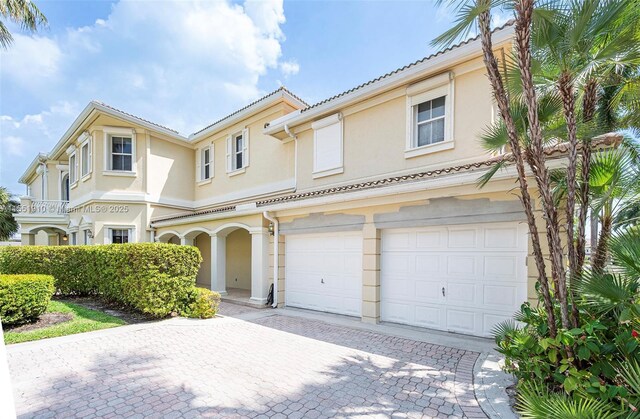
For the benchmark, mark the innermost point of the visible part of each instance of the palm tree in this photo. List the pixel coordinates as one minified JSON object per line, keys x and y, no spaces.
{"x":24,"y":13}
{"x":577,"y":48}
{"x":8,"y":224}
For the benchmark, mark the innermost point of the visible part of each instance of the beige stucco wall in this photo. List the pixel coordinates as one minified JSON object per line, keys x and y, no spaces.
{"x":271,"y":162}
{"x":375,"y":133}
{"x":238,"y":258}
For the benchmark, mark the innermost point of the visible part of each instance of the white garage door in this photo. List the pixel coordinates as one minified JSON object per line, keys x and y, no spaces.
{"x":324,"y":272}
{"x":461,"y":278}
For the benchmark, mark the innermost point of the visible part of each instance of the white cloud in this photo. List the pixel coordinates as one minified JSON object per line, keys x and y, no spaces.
{"x":289,"y":68}
{"x":181,"y":64}
{"x":31,"y":60}
{"x":13,"y":146}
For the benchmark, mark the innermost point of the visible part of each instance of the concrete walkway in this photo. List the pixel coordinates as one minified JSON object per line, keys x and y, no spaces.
{"x":255,"y":363}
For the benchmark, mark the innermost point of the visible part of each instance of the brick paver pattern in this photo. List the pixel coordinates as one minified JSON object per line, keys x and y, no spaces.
{"x":276,"y":366}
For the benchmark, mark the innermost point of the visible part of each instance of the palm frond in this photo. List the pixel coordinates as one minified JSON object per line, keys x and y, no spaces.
{"x":605,"y":292}
{"x":625,"y":250}
{"x":485,"y":178}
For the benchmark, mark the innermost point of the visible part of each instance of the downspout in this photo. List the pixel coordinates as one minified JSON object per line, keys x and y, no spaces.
{"x":276,"y":254}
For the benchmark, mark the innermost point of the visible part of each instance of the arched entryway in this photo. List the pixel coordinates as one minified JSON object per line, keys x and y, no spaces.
{"x":238,"y":263}
{"x":47,"y":235}
{"x":170,"y":237}
{"x":200,"y":238}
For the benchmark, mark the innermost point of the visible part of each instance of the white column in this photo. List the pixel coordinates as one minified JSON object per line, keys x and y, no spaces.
{"x":259,"y":265}
{"x":219,"y":263}
{"x":186,"y":242}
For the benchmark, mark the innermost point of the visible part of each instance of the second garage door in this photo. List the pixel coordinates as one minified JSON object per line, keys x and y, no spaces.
{"x":324,"y":272}
{"x":463,"y":278}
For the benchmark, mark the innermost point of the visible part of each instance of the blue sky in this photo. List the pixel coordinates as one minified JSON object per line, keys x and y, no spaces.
{"x":185,"y":64}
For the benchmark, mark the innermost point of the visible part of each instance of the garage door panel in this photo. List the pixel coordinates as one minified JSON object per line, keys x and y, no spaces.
{"x":429,"y":239}
{"x":324,"y":272}
{"x":482,"y":268}
{"x":427,"y":316}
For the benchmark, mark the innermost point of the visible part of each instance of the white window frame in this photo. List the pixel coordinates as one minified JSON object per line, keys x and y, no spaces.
{"x":87,"y":143}
{"x":110,"y":132}
{"x":430,"y":89}
{"x":201,"y":164}
{"x":73,"y":240}
{"x":232,"y":152}
{"x":85,"y":236}
{"x":318,"y":125}
{"x":108,"y":229}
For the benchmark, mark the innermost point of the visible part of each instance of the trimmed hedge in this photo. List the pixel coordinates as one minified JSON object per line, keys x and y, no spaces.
{"x":154,"y":278}
{"x":23,"y":298}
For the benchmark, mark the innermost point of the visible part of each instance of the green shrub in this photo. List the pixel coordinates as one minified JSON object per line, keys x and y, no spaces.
{"x":201,"y":303}
{"x":23,"y":298}
{"x":150,"y":277}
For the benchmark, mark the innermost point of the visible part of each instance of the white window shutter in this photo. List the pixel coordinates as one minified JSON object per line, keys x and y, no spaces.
{"x":245,"y":147}
{"x":198,"y":165}
{"x":107,"y":236}
{"x":229,"y":154}
{"x":212,"y":148}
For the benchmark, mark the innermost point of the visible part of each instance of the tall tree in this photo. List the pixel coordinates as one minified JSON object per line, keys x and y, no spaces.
{"x":8,"y":224}
{"x":22,"y":12}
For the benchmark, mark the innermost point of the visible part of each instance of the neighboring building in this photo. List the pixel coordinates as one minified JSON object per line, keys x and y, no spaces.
{"x":372,"y":194}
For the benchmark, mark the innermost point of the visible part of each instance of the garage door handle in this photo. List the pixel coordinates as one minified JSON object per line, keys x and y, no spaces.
{"x":322,"y":280}
{"x":443,"y":292}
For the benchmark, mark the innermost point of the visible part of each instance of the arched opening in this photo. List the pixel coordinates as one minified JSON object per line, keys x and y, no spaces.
{"x":203,"y":242}
{"x":49,"y":236}
{"x":65,"y":188}
{"x":168,"y":237}
{"x":238,"y":263}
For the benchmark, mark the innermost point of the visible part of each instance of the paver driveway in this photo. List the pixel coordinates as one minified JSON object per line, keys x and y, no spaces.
{"x":275,"y":365}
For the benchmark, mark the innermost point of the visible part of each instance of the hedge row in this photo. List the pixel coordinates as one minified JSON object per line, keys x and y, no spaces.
{"x":23,"y":298}
{"x":154,"y":278}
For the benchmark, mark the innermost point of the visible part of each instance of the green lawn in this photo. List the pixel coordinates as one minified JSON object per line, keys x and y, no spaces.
{"x":84,"y":320}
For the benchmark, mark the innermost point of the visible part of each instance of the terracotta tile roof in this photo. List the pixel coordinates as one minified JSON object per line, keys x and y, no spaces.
{"x":280,"y":89}
{"x":197,"y":213}
{"x":401,"y":69}
{"x":558,"y":150}
{"x":133,"y":116}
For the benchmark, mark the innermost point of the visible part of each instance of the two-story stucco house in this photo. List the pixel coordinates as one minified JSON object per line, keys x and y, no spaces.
{"x":364,"y":204}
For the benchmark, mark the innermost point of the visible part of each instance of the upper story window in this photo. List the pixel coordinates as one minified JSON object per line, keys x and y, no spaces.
{"x":65,"y":187}
{"x":85,"y":159}
{"x":327,"y":146}
{"x":73,"y":168}
{"x":430,"y":116}
{"x":430,"y":121}
{"x":204,"y":163}
{"x":238,"y":152}
{"x":121,"y":153}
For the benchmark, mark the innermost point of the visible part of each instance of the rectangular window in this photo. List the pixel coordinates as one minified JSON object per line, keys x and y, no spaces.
{"x":206,"y":163}
{"x":429,"y":122}
{"x":86,"y":237}
{"x":84,"y":157}
{"x":121,"y":154}
{"x":119,"y":235}
{"x":238,"y":149}
{"x":74,"y":238}
{"x":73,"y":176}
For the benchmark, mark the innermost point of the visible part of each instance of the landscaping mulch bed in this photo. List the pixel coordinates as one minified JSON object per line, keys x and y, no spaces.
{"x":45,"y":320}
{"x":129,"y":316}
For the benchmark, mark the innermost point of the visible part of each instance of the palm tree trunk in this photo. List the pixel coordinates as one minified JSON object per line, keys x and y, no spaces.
{"x":535,"y":153}
{"x":600,"y":257}
{"x":502,"y":100}
{"x":565,"y":85}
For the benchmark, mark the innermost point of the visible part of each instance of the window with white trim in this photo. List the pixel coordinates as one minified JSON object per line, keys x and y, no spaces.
{"x":327,"y":146}
{"x":87,"y":239}
{"x":121,"y":153}
{"x":85,"y":159}
{"x":120,"y":235}
{"x":73,"y":168}
{"x":74,"y":238}
{"x":430,"y":116}
{"x":429,"y":122}
{"x":238,"y":151}
{"x":204,"y":163}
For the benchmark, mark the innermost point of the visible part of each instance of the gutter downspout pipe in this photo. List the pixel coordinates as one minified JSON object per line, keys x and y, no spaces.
{"x":276,"y":255}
